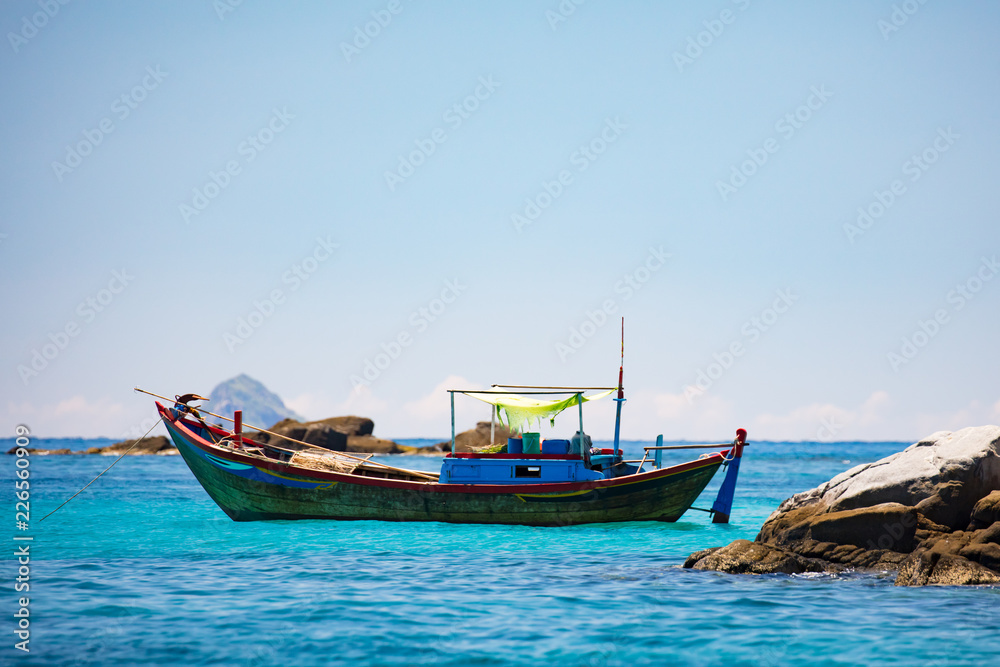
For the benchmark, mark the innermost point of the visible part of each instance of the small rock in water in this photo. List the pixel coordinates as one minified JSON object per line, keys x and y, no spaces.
{"x":155,"y":445}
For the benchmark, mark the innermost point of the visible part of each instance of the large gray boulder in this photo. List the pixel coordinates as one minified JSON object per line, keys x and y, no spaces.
{"x":931,"y":512}
{"x":943,"y":476}
{"x":339,"y":434}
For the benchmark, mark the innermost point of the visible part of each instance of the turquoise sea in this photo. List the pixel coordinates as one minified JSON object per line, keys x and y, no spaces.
{"x":143,"y":569}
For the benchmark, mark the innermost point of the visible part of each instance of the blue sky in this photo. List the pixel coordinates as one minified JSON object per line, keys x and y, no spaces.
{"x":791,"y":204}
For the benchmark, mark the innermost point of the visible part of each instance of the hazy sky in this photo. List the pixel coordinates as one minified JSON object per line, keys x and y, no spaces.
{"x":363,"y":204}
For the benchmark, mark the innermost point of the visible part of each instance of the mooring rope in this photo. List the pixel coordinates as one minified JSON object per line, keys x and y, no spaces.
{"x":104,"y":471}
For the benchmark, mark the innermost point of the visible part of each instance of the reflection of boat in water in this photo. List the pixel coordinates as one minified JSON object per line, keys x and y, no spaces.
{"x":546,"y":483}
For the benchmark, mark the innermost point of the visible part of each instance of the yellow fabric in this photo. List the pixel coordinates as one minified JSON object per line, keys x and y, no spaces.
{"x":521,"y":411}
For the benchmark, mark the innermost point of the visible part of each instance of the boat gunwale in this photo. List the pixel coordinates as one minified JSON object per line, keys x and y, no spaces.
{"x":437,"y":487}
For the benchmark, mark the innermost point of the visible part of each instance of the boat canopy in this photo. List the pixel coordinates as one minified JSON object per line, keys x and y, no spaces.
{"x":521,"y":411}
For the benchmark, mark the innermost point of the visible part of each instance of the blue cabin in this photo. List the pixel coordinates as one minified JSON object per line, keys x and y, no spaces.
{"x":558,"y":461}
{"x":515,"y":469}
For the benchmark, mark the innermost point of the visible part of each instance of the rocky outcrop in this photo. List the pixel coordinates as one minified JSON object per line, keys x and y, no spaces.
{"x":313,"y":433}
{"x":157,"y":445}
{"x":338,"y":434}
{"x":986,"y":512}
{"x":930,"y":512}
{"x":351,"y":425}
{"x":746,"y":557}
{"x":46,"y":452}
{"x":371,"y":444}
{"x":476,"y":439}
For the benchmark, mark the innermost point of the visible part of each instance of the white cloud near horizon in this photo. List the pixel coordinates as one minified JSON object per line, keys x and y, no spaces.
{"x":823,"y":421}
{"x":78,"y":416}
{"x":359,"y":401}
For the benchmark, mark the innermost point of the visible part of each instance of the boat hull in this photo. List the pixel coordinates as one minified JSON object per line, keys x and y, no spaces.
{"x":249,"y":489}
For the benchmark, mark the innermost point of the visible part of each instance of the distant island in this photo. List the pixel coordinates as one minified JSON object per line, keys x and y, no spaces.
{"x":258,"y":403}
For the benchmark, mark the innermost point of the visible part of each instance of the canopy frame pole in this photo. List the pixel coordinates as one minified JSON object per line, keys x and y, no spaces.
{"x":493,"y":422}
{"x":452,"y":394}
{"x":583,"y":447}
{"x":564,"y":390}
{"x":525,"y":393}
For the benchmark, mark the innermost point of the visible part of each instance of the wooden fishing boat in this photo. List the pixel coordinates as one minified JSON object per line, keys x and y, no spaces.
{"x":548,"y":483}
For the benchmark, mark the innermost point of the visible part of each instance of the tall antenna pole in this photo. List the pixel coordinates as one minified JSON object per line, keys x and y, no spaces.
{"x":621,"y":393}
{"x":621,"y":368}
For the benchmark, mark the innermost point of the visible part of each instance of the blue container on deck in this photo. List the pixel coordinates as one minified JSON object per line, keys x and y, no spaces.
{"x":515,"y":446}
{"x":555,"y":447}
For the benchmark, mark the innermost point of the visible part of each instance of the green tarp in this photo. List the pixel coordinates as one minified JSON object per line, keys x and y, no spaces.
{"x":522,"y":411}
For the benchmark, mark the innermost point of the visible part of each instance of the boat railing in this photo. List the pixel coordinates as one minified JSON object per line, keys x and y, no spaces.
{"x":659,"y":448}
{"x":665,"y":447}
